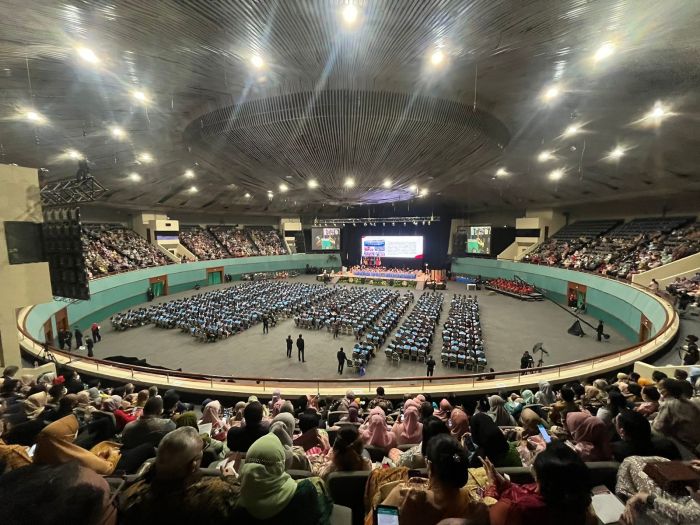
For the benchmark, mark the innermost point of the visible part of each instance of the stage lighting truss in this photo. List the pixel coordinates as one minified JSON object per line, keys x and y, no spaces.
{"x":71,"y":191}
{"x":367,"y":221}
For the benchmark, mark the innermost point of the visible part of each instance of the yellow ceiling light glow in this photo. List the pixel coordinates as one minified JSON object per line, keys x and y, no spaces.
{"x":87,"y":54}
{"x":616,"y":153}
{"x":572,"y":130}
{"x":140,"y":96}
{"x":189,"y":174}
{"x":350,"y":14}
{"x":117,"y":132}
{"x":349,"y":182}
{"x":437,"y":57}
{"x":257,"y":61}
{"x":313,"y":184}
{"x":193,"y":189}
{"x":135,"y":177}
{"x":544,"y":156}
{"x":551,"y":93}
{"x":74,"y":154}
{"x":387,"y":183}
{"x":283,"y":187}
{"x":556,"y":174}
{"x":502,"y":172}
{"x":606,"y":50}
{"x":145,"y":157}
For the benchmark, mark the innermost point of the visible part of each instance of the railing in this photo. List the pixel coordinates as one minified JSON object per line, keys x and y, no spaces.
{"x":452,"y":383}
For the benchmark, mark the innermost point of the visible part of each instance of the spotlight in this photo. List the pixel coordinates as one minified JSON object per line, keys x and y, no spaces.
{"x":189,"y":174}
{"x":247,"y":195}
{"x":423,"y":192}
{"x":551,"y":93}
{"x":413,"y":188}
{"x":34,"y":116}
{"x":140,"y":96}
{"x":136,"y":177}
{"x":349,"y":182}
{"x":657,"y":113}
{"x":145,"y":157}
{"x":616,"y":153}
{"x":193,"y":189}
{"x":87,"y":54}
{"x":283,"y":187}
{"x":312,"y":184}
{"x":604,"y":51}
{"x":545,"y":156}
{"x":437,"y":57}
{"x":502,"y":172}
{"x":257,"y":62}
{"x":117,"y":132}
{"x":571,"y":130}
{"x":387,"y":183}
{"x":556,"y":174}
{"x":350,"y":14}
{"x":73,"y":154}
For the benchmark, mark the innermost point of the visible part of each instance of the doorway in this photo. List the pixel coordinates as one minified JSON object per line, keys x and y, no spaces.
{"x":158,"y":285}
{"x":576,"y":296}
{"x":215,"y":275}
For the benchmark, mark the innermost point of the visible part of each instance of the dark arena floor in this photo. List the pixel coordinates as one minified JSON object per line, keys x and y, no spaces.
{"x":509,"y":327}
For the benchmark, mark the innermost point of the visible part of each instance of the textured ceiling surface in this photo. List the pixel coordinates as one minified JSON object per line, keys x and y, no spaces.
{"x":360,"y":110}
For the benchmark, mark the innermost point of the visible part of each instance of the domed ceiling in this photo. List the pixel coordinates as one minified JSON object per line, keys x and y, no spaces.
{"x":306,"y":106}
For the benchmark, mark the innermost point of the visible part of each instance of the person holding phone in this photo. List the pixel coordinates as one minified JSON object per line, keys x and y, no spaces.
{"x":560,"y":493}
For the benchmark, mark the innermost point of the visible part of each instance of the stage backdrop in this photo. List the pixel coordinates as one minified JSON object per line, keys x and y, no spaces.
{"x":436,"y":237}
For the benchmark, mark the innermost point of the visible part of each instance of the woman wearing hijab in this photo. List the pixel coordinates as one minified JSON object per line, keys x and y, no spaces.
{"x":212,"y":414}
{"x":590,"y":436}
{"x":34,"y":405}
{"x":498,"y":412}
{"x":212,"y":448}
{"x":282,"y":426}
{"x":459,"y":423}
{"x":545,"y":395}
{"x":347,"y":454}
{"x":409,"y":430}
{"x":353,"y":415}
{"x":443,"y":412}
{"x":95,"y":397}
{"x":491,"y":443}
{"x":312,"y":439}
{"x":114,"y":405}
{"x":269,"y":494}
{"x":376,"y":433}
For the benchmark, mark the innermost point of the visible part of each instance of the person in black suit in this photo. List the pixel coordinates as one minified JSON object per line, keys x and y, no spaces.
{"x":89,"y":344}
{"x":300,"y":349}
{"x":599,"y":330}
{"x":289,"y":342}
{"x":266,"y":324}
{"x":431,"y":366}
{"x":341,"y":359}
{"x":68,"y":336}
{"x":78,"y":337}
{"x":61,"y":340}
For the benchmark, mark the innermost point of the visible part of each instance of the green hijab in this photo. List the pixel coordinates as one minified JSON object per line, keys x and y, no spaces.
{"x":266,"y":489}
{"x":187,"y":419}
{"x":528,"y":397}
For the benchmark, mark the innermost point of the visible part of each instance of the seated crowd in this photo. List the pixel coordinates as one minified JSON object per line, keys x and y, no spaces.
{"x":462,"y":343}
{"x":633,"y":247}
{"x":414,"y":337}
{"x":222,"y":242}
{"x":519,"y":289}
{"x":275,"y":462}
{"x":219,"y":314}
{"x":686,"y":291}
{"x":108,"y":249}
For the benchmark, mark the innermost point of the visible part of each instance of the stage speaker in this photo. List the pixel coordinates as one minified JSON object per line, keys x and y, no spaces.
{"x":576,"y":329}
{"x":63,"y":247}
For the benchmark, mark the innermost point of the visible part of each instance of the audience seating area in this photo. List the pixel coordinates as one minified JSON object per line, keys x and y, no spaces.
{"x":518,"y":289}
{"x":632,"y":247}
{"x":462,"y":344}
{"x":330,"y":458}
{"x":415,"y":336}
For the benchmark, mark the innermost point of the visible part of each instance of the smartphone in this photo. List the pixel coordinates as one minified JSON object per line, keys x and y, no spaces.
{"x":545,"y":435}
{"x":31,"y":450}
{"x":386,"y":515}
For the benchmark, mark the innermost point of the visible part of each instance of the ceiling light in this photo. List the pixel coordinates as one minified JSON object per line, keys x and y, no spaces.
{"x":312,"y":184}
{"x":616,"y":153}
{"x":556,"y":174}
{"x":604,"y":51}
{"x":145,"y":157}
{"x":193,"y":189}
{"x":551,"y":93}
{"x":140,"y":96}
{"x":257,"y":61}
{"x":387,"y":183}
{"x":423,"y":192}
{"x":73,"y":154}
{"x":437,"y":57}
{"x":135,"y":177}
{"x":34,"y":116}
{"x":349,"y":182}
{"x":247,"y":195}
{"x":502,"y":172}
{"x":571,"y":130}
{"x":657,"y":113}
{"x":189,"y":174}
{"x":545,"y":156}
{"x":117,"y":132}
{"x":88,"y":55}
{"x":413,"y":187}
{"x":283,"y":187}
{"x":350,"y":14}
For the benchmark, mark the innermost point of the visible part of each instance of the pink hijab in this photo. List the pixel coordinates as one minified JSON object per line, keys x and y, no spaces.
{"x":376,"y":434}
{"x":410,"y":431}
{"x":443,"y":413}
{"x":590,"y":436}
{"x":211,"y":414}
{"x":460,"y":423}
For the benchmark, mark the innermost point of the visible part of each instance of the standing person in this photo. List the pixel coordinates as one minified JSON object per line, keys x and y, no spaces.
{"x":289,"y":342}
{"x":336,"y":329}
{"x":266,"y":324}
{"x":61,"y":340}
{"x":95,"y":329}
{"x":691,"y":351}
{"x":341,"y":359}
{"x":68,"y":336}
{"x":431,"y":366}
{"x":89,"y":344}
{"x":300,"y":349}
{"x":78,"y":337}
{"x":599,"y":330}
{"x":526,"y":361}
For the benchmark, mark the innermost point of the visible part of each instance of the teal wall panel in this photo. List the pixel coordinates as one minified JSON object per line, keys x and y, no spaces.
{"x":616,"y":303}
{"x":125,"y":290}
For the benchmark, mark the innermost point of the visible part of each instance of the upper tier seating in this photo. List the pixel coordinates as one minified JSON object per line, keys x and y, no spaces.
{"x":203,"y":244}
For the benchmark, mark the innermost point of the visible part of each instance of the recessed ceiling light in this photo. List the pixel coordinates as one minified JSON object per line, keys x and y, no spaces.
{"x":657,"y":113}
{"x":556,"y":174}
{"x":117,"y":132}
{"x":387,"y":183}
{"x":247,"y":195}
{"x":423,"y":192}
{"x":544,"y":156}
{"x":437,"y":57}
{"x":604,"y":51}
{"x":616,"y":153}
{"x":87,"y":54}
{"x":145,"y":157}
{"x":73,"y":154}
{"x":34,"y":116}
{"x":551,"y":92}
{"x":571,"y":130}
{"x":413,"y":187}
{"x":135,"y":177}
{"x":349,"y":182}
{"x":189,"y":174}
{"x":313,"y":184}
{"x":502,"y":172}
{"x":257,"y":61}
{"x":350,"y":14}
{"x":193,"y":189}
{"x":283,"y":187}
{"x":140,"y":96}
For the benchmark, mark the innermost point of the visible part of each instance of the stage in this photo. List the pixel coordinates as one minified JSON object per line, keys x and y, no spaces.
{"x":395,"y":279}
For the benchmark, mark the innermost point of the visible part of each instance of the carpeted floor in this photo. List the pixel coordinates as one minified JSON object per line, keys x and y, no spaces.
{"x":510,"y":326}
